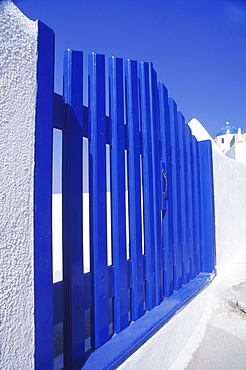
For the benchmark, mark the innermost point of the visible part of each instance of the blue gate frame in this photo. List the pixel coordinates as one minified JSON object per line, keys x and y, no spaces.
{"x":170,"y":209}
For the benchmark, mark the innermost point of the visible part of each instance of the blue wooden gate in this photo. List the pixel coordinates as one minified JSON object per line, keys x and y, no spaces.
{"x":157,"y":186}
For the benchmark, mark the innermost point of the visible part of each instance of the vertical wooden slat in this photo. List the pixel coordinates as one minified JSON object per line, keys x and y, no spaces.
{"x":184,"y":200}
{"x":200,"y":208}
{"x":157,"y":180}
{"x":148,"y":196}
{"x":207,"y":205}
{"x":134,"y":186}
{"x":98,"y":210}
{"x":167,"y":216}
{"x":176,"y":195}
{"x":72,"y":209}
{"x":194,"y":252}
{"x":190,"y":200}
{"x":118,"y":193}
{"x":197,"y":206}
{"x":43,"y":199}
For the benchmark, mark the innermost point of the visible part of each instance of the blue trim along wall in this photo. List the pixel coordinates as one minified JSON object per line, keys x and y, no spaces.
{"x":43,"y":296}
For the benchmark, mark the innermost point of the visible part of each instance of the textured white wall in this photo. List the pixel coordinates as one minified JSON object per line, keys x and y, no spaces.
{"x":238,"y":152}
{"x":18,"y":64}
{"x":230,"y":207}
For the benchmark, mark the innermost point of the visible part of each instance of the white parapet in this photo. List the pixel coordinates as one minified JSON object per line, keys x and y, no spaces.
{"x":18,"y":87}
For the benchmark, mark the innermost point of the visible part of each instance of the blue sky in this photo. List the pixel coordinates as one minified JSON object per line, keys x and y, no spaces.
{"x":198,"y":47}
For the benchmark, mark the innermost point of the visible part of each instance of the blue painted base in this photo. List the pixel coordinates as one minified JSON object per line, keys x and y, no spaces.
{"x":120,"y":347}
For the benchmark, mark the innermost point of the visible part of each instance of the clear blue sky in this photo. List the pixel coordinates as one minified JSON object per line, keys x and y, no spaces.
{"x":198,"y":47}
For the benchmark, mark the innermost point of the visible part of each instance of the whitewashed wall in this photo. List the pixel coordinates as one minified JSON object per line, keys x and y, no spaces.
{"x":173,"y":346}
{"x":230,"y":207}
{"x":18,"y":65}
{"x":238,"y":152}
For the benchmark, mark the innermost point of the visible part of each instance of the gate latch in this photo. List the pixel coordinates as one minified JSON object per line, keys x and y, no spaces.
{"x":164,"y":174}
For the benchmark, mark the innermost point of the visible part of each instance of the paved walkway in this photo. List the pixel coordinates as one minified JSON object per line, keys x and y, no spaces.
{"x":224,"y":344}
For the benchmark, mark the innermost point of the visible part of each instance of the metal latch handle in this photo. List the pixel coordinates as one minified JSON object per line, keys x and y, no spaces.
{"x":164,"y":174}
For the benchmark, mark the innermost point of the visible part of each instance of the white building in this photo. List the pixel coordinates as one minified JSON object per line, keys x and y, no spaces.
{"x":232,"y":142}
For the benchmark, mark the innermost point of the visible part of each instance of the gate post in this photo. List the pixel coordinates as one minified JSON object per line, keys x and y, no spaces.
{"x":43,"y":281}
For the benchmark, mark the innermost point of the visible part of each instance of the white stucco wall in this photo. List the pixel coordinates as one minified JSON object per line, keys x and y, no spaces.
{"x":231,"y":153}
{"x":198,"y":130}
{"x":238,"y":152}
{"x":18,"y":64}
{"x":230,"y":207}
{"x":173,"y":346}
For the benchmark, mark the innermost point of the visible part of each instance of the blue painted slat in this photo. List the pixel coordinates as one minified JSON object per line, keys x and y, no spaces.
{"x":167,"y":214}
{"x":108,"y":131}
{"x":197,"y":206}
{"x":184,"y":200}
{"x":88,"y":288}
{"x":98,"y":210}
{"x":190,"y":200}
{"x":58,"y":112}
{"x":194,"y":222}
{"x":148,"y":192}
{"x":58,"y":302}
{"x":176,"y":195}
{"x":43,"y":297}
{"x":74,"y":335}
{"x":207,"y":205}
{"x":118,"y":193}
{"x":200,"y":209}
{"x":86,"y":126}
{"x":134,"y":188}
{"x":59,"y":295}
{"x":157,"y":181}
